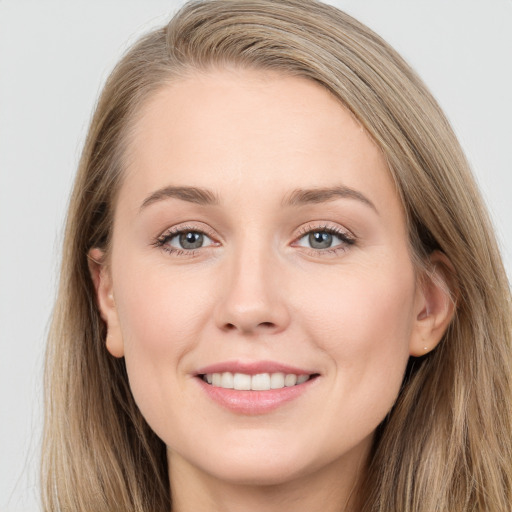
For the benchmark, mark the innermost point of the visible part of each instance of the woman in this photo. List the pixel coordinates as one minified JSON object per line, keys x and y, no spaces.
{"x":280,"y":287}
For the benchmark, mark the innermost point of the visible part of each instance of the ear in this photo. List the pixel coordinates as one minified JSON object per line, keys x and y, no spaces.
{"x":102,"y":280}
{"x":434,"y":305}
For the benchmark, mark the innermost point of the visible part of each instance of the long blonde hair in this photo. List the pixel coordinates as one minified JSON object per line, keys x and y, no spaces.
{"x":447,"y":443}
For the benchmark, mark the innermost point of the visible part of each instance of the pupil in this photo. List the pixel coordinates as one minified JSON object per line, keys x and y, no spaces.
{"x":320,"y":240}
{"x":191,"y":240}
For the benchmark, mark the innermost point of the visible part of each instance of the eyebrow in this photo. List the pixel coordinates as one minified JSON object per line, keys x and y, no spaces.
{"x":301,"y":197}
{"x":298,"y":197}
{"x":195,"y":195}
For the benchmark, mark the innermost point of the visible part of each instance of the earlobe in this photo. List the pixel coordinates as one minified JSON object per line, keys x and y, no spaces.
{"x":435,"y":305}
{"x":102,"y":280}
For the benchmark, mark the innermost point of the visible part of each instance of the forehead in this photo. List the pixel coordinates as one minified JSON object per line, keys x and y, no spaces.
{"x":256,"y":131}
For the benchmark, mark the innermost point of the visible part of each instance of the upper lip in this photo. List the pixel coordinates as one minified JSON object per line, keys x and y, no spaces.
{"x":253,"y":368}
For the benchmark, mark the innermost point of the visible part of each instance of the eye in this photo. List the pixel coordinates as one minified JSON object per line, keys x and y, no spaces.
{"x":189,"y":240}
{"x":320,"y":239}
{"x":324,"y":238}
{"x":183,"y":240}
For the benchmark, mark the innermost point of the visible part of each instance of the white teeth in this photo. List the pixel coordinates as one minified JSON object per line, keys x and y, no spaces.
{"x":227,"y":380}
{"x":242,"y":381}
{"x":290,"y":380}
{"x":302,"y":378}
{"x":258,"y":382}
{"x":277,"y":381}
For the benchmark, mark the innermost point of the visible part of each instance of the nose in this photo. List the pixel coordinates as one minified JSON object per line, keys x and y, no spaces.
{"x":252,"y":298}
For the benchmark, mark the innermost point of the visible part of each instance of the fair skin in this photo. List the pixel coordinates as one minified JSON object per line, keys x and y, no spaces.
{"x":263,"y":275}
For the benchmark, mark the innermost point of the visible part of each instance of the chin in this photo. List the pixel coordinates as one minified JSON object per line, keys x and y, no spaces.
{"x":257,"y":473}
{"x":264,"y":464}
{"x":255,"y":464}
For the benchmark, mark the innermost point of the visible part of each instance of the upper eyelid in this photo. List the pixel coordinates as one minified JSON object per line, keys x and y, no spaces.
{"x":325,"y":226}
{"x":186,"y":227}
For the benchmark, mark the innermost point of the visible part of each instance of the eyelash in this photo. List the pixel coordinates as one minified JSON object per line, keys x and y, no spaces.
{"x":345,"y":236}
{"x":164,"y":238}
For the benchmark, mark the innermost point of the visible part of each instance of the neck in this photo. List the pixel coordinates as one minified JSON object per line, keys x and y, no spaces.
{"x":333,"y":488}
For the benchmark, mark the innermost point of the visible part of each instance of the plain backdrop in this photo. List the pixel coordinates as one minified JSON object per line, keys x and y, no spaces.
{"x":54,"y":58}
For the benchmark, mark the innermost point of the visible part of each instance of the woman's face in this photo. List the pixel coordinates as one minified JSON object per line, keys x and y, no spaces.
{"x":258,"y":232}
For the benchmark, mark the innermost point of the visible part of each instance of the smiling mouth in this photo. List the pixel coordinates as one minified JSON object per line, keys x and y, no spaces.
{"x":256,"y":382}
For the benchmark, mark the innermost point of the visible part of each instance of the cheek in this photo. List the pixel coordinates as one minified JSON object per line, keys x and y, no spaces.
{"x":161,"y":317}
{"x":363,"y":319}
{"x":159,"y":309}
{"x":362,"y":304}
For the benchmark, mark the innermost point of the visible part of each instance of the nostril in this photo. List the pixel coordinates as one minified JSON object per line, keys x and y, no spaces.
{"x":244,"y":328}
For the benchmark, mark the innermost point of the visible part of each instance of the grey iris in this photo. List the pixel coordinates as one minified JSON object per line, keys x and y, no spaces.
{"x":320,"y":240}
{"x":191,"y":240}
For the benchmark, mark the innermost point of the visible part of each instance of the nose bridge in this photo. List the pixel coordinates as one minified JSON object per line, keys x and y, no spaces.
{"x":252,"y":298}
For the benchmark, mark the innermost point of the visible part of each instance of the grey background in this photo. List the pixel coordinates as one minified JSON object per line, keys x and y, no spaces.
{"x":54,"y":57}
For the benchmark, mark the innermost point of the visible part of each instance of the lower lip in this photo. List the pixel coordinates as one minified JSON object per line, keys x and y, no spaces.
{"x":255,"y":402}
